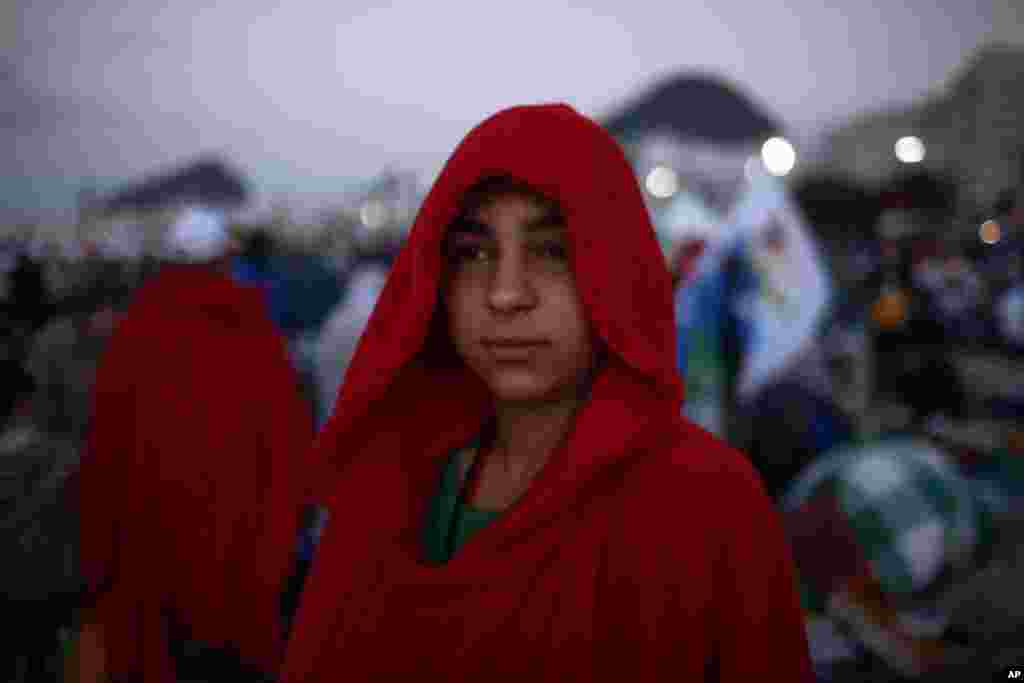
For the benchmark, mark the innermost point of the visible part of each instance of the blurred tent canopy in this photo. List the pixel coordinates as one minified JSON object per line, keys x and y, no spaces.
{"x":931,"y":192}
{"x":208,"y":181}
{"x":688,"y":106}
{"x":837,"y":204}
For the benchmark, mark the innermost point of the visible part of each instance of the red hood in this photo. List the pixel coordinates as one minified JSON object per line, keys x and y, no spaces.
{"x":623,"y":283}
{"x":194,"y":455}
{"x":197,"y":291}
{"x":612,"y":542}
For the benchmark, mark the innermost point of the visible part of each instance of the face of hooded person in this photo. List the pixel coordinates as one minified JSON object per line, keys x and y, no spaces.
{"x":514,"y":315}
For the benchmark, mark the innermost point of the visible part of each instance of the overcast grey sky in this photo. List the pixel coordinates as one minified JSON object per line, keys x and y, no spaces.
{"x":301,"y":94}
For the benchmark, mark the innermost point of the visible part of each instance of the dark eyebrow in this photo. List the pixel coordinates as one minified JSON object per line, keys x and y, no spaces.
{"x":470,"y":226}
{"x":545,"y":223}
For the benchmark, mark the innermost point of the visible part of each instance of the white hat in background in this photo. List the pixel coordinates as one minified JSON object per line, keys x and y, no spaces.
{"x":197,"y":235}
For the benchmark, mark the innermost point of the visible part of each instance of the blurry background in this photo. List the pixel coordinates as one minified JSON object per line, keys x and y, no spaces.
{"x":837,"y":189}
{"x":304,"y":99}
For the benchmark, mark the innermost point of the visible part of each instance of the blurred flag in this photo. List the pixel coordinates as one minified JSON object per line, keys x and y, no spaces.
{"x":781,"y":288}
{"x":751,"y":281}
{"x":695,"y":234}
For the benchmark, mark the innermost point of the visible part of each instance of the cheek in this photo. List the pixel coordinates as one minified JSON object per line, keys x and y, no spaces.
{"x":574,"y":330}
{"x":463,"y":315}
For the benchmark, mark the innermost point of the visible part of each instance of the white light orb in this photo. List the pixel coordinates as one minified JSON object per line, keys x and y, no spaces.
{"x":662,"y":182}
{"x":778,"y":155}
{"x":910,"y":149}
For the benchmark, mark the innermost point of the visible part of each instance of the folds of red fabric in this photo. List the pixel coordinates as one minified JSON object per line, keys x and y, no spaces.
{"x":194,"y":477}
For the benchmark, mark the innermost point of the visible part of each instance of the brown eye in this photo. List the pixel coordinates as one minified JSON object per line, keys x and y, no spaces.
{"x":551,"y":250}
{"x":555,"y":250}
{"x":468,"y":252}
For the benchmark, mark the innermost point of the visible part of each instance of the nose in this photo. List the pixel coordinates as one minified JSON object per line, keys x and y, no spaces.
{"x":511,"y":289}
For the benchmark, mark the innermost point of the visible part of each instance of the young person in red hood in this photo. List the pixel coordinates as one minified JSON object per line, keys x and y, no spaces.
{"x":191,"y":489}
{"x":515,"y":495}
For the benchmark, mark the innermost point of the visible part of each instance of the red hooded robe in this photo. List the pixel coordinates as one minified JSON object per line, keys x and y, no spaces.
{"x":193,"y":483}
{"x":644,"y":550}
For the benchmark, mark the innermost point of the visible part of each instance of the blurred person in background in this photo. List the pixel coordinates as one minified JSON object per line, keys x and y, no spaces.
{"x":39,"y":580}
{"x":1001,"y":261}
{"x":891,"y":309}
{"x":64,"y":354}
{"x":40,"y":452}
{"x":516,"y":494}
{"x":16,"y":386}
{"x":957,"y":298}
{"x":1009,"y":307}
{"x":911,"y":322}
{"x":791,"y":422}
{"x":791,"y":415}
{"x":930,"y":385}
{"x":18,"y":389}
{"x":1003,"y":268}
{"x":300,"y":289}
{"x":374,"y":252}
{"x":28,"y":302}
{"x":259,"y":264}
{"x":252,"y":264}
{"x":193,"y":482}
{"x":28,"y":292}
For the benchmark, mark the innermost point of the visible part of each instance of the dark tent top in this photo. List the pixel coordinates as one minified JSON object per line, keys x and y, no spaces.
{"x":695,"y":107}
{"x":206,"y":181}
{"x":921,"y":190}
{"x":832,"y":201}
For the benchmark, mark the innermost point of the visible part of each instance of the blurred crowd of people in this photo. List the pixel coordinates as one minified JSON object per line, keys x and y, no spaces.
{"x":903,"y":502}
{"x":906,"y":523}
{"x":57,"y":316}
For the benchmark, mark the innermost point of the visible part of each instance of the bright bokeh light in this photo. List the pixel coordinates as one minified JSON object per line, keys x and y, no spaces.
{"x":662,"y":182}
{"x":779,"y":156}
{"x":990,"y":232}
{"x":910,"y":149}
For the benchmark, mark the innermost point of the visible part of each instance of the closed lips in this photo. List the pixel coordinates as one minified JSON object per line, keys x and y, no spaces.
{"x":513,"y":343}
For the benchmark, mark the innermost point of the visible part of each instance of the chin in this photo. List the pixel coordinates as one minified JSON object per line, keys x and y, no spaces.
{"x":520,"y":387}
